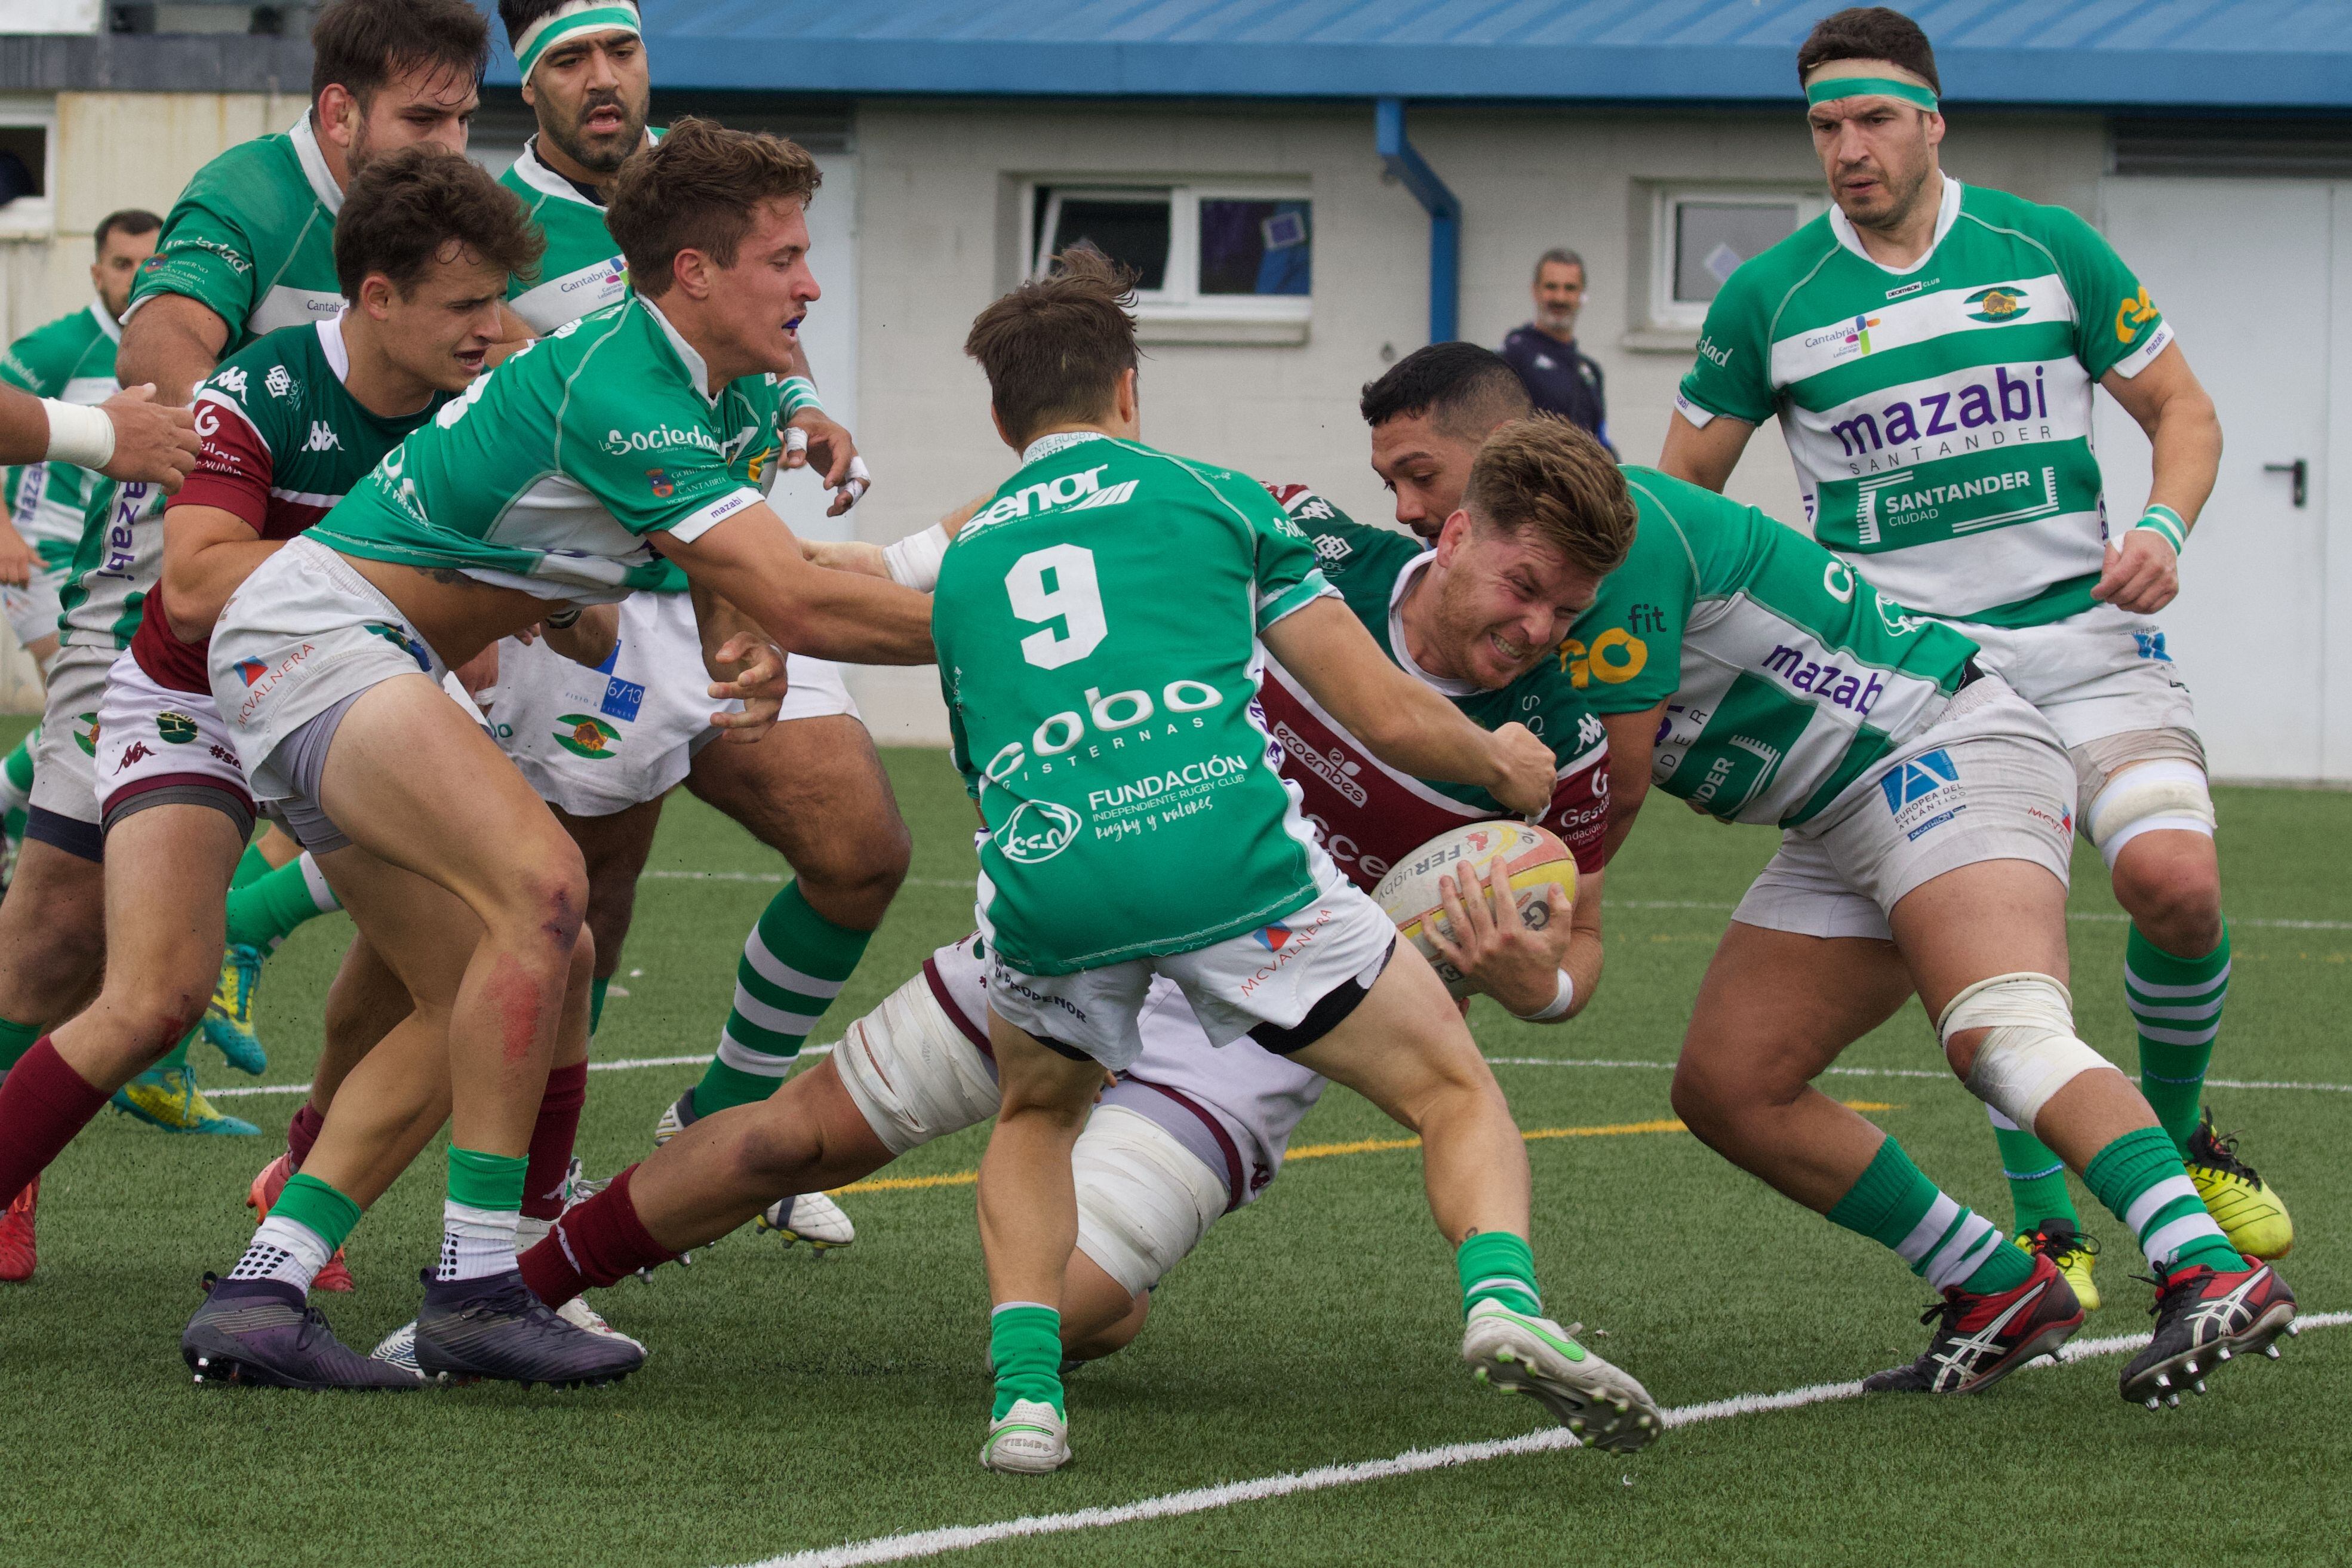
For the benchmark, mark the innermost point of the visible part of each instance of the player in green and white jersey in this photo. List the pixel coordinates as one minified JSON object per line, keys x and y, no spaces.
{"x":1931,"y":351}
{"x":289,"y":423}
{"x":72,"y":360}
{"x":1104,"y":718}
{"x":1739,"y":654}
{"x":544,"y":490}
{"x":813,"y":788}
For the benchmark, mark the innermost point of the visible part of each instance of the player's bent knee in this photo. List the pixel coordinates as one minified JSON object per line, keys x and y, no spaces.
{"x":2146,"y":798}
{"x":2029,"y":1051}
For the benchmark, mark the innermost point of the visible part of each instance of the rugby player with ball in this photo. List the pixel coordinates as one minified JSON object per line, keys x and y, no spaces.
{"x":1659,"y":653}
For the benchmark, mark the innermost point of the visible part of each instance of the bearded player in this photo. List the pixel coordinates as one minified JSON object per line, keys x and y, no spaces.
{"x":288,"y":424}
{"x":1930,"y":350}
{"x":327,"y":664}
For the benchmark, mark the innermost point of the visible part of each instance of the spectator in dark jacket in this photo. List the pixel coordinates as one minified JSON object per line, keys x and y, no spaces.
{"x":1559,"y":378}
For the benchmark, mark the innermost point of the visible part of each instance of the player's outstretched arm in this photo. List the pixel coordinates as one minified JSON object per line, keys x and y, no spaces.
{"x":754,"y":563}
{"x":172,"y":341}
{"x":1705,"y":456}
{"x":1402,"y":722}
{"x":128,"y":437}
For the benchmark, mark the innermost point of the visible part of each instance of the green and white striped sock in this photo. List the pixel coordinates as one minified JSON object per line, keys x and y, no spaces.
{"x":2176,"y":1003}
{"x":480,"y":1216}
{"x":1945,"y":1243}
{"x":2140,"y":1180}
{"x":794,"y":963}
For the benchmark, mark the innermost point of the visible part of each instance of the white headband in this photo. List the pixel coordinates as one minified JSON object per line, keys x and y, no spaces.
{"x":570,"y":20}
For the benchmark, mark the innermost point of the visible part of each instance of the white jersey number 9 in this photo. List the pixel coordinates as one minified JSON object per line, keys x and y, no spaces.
{"x":1075,"y":600}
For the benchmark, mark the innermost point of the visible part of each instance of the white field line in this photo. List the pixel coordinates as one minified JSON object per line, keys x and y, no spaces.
{"x":1414,"y":1461}
{"x":2092,"y":917}
{"x":626,"y":1064}
{"x":1879,"y":1072}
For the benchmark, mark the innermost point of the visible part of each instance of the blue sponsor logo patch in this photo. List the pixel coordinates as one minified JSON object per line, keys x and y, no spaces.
{"x":1920,"y":777}
{"x":622,"y":699}
{"x":2151,"y":646}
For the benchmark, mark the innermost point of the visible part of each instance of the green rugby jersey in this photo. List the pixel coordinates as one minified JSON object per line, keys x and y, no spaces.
{"x":1940,"y":418}
{"x":1097,"y":627}
{"x":253,"y":238}
{"x":583,"y":269}
{"x":1794,"y":675}
{"x":114,"y":565}
{"x":72,"y":360}
{"x":548,"y":472}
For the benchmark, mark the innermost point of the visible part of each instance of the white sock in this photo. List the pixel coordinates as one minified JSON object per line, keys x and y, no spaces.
{"x":322,"y":896}
{"x":476,"y":1243}
{"x":285,"y":1250}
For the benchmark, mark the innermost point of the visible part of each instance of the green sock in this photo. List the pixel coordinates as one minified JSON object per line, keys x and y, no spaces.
{"x":178,"y":1056}
{"x":596,"y":989}
{"x":15,"y":1039}
{"x":2037,"y":1178}
{"x":1496,"y":1265}
{"x":1024,"y":1340}
{"x":266,"y":911}
{"x":794,"y":963}
{"x":312,"y":1204}
{"x":251,"y":864}
{"x":1945,"y":1243}
{"x":2140,"y":1180}
{"x":482,"y":1180}
{"x":2176,"y":1003}
{"x":17,"y":785}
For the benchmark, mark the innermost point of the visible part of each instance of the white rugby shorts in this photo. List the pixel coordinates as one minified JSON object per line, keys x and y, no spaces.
{"x":302,"y":633}
{"x":595,"y":741}
{"x":1987,"y":781}
{"x":64,"y":761}
{"x":33,"y":609}
{"x":1275,"y":975}
{"x":153,"y":739}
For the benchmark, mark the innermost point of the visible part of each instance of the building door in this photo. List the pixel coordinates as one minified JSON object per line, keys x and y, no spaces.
{"x":2246,"y":271}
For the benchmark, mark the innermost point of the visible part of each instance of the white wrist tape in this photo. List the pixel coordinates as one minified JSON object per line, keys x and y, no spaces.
{"x":914,"y":561}
{"x":1561,"y":1001}
{"x":2030,"y":1051}
{"x":80,"y":435}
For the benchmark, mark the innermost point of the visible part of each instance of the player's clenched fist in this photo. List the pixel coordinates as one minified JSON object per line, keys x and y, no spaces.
{"x":152,"y":443}
{"x":1525,"y":768}
{"x":750,"y":669}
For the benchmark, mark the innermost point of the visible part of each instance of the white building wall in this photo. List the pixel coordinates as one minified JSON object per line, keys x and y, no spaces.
{"x":941,"y":233}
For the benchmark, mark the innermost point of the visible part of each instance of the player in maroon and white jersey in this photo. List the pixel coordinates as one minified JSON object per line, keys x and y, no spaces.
{"x":1438,"y":615}
{"x":424,"y":249}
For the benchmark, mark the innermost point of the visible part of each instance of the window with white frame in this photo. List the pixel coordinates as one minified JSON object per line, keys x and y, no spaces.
{"x":1699,"y":237}
{"x":28,"y":136}
{"x":1214,"y":261}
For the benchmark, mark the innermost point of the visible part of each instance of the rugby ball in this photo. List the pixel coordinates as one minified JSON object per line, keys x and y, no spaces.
{"x":1532,"y":857}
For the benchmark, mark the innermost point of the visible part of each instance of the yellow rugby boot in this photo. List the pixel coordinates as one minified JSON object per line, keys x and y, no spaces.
{"x":2072,"y":1251}
{"x":168,"y":1098}
{"x":229,"y":1018}
{"x":2247,"y":1208}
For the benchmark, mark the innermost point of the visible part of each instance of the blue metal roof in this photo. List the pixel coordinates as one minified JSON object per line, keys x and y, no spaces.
{"x":2157,"y":54}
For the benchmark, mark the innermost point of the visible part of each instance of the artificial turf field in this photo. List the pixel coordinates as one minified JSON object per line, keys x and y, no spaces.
{"x":793,"y":1402}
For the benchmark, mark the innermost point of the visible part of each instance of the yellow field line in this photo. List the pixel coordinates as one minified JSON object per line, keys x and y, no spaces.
{"x":1326,"y":1151}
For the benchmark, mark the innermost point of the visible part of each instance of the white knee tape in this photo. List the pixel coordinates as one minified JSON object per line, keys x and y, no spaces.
{"x":2144,"y":797}
{"x":2030,"y":1052}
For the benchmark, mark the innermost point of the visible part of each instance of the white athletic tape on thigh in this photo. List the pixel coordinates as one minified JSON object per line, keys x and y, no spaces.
{"x":2030,"y":1052}
{"x":2148,"y":797}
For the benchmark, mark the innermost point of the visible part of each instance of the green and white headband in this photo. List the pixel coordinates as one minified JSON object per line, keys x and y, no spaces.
{"x":571,"y":20}
{"x":1839,"y":87}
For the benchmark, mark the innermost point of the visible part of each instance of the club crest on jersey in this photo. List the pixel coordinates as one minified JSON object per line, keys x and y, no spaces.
{"x":1037,"y":831}
{"x":176,"y":728}
{"x":86,"y":734}
{"x":589,"y":736}
{"x":279,"y":383}
{"x":2000,"y":304}
{"x":659,"y":482}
